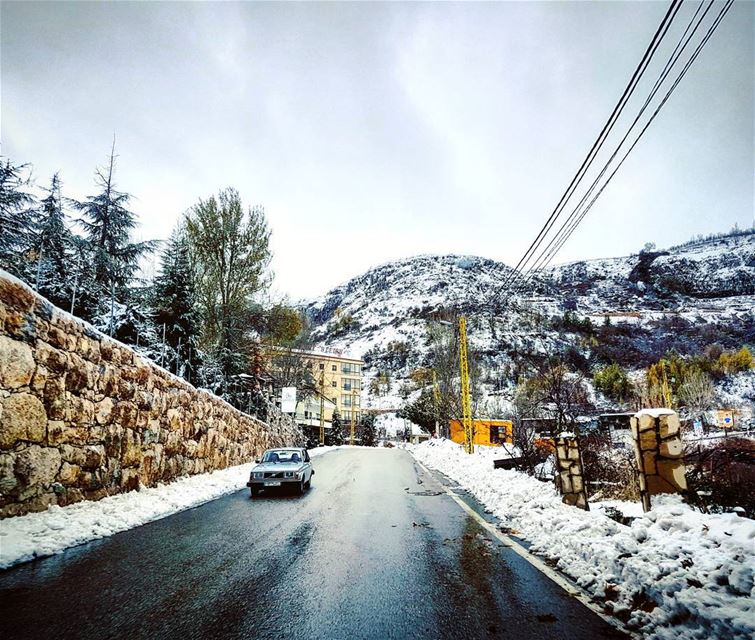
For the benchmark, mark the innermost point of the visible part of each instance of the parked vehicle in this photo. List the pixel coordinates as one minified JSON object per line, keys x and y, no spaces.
{"x":280,"y":468}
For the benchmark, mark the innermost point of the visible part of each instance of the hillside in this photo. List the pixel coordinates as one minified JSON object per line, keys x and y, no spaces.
{"x":683,"y":298}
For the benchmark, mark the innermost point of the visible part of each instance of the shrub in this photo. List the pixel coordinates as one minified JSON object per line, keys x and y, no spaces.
{"x":614,"y":383}
{"x":734,"y":362}
{"x":721,"y":476}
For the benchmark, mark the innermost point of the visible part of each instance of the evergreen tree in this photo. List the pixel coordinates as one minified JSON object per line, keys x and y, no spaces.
{"x":51,"y":246}
{"x":175,"y":306}
{"x":369,"y":432}
{"x":108,"y":225}
{"x":336,"y":429}
{"x":15,"y":202}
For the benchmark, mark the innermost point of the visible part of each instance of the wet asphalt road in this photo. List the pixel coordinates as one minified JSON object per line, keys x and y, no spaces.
{"x":373,"y":550}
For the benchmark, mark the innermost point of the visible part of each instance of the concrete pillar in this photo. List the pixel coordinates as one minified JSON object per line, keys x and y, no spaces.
{"x":658,"y":451}
{"x":569,"y":477}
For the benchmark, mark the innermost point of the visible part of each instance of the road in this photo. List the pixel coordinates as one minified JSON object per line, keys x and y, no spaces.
{"x":375,"y":549}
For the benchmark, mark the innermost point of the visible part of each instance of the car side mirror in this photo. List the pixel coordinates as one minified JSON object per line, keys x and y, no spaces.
{"x":257,"y":460}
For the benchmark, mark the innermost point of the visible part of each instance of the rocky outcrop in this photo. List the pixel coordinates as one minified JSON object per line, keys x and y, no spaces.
{"x":83,"y":417}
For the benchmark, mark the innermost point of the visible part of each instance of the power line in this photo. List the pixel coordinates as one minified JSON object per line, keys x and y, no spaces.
{"x":575,"y":218}
{"x":605,"y":131}
{"x":556,"y":242}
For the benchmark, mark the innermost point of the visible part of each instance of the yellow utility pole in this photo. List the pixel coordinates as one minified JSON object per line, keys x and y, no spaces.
{"x":354,"y":396}
{"x":322,"y":409}
{"x":466,"y":400}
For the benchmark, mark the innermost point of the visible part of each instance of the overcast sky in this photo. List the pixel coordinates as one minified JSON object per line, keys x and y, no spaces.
{"x":371,"y":132}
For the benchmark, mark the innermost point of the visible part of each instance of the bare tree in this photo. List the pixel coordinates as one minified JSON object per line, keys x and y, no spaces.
{"x":697,"y":393}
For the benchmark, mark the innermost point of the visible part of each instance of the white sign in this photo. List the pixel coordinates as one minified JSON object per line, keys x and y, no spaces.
{"x":288,"y":399}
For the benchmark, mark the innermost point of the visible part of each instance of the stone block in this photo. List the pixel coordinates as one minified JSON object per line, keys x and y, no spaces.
{"x":103,"y":411}
{"x":8,"y":481}
{"x":89,"y":349}
{"x":129,"y":479}
{"x":41,"y":503}
{"x":55,"y":396}
{"x":73,"y":455}
{"x":648,"y":440}
{"x":37,"y":465}
{"x":51,"y":358}
{"x":131,"y":449}
{"x":76,"y":378}
{"x":649,"y":462}
{"x":68,"y":474}
{"x":125,"y":414}
{"x":669,"y":425}
{"x":39,"y":380}
{"x":23,"y":420}
{"x":57,"y":337}
{"x":673,"y":473}
{"x":59,"y":432}
{"x":95,"y":456}
{"x":79,"y":411}
{"x":16,"y":363}
{"x":107,"y":383}
{"x":671,"y":448}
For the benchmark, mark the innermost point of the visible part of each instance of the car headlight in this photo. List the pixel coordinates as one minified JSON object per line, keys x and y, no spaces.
{"x":258,"y":475}
{"x":289,"y":474}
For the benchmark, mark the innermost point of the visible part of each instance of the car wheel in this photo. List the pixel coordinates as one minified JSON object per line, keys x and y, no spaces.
{"x":302,"y":487}
{"x":255,"y":492}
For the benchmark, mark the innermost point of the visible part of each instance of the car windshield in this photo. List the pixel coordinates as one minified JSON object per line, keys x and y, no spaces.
{"x":281,"y":455}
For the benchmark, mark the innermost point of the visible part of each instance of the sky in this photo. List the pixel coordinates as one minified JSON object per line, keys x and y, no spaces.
{"x":376,"y":131}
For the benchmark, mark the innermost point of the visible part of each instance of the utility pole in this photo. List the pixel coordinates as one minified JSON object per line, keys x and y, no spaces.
{"x":354,"y":396}
{"x":466,"y":401}
{"x":322,"y":409}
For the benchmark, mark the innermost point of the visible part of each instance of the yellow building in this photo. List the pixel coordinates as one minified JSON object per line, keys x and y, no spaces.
{"x":490,"y":433}
{"x":337,"y":377}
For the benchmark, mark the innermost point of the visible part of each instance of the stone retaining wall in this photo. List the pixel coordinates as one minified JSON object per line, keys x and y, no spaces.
{"x":83,"y":417}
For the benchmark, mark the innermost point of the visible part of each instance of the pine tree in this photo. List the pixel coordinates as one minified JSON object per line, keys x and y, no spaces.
{"x":336,"y":429}
{"x":369,"y":432}
{"x":15,"y":202}
{"x":52,"y":247}
{"x":175,"y":305}
{"x":108,"y":225}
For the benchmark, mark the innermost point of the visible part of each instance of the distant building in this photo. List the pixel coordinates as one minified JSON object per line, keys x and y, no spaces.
{"x":490,"y":433}
{"x":337,"y":377}
{"x":416,"y":433}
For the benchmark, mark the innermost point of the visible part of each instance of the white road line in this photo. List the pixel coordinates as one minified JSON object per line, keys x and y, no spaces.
{"x":568,"y":586}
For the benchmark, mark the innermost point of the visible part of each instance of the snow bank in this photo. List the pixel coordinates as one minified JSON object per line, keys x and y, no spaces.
{"x":48,"y":532}
{"x":674,"y":573}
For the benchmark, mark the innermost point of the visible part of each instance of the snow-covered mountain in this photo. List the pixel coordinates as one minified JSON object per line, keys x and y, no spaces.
{"x":671,"y":295}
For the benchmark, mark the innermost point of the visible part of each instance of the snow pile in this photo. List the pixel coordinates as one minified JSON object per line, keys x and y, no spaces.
{"x":48,"y":532}
{"x":674,"y":573}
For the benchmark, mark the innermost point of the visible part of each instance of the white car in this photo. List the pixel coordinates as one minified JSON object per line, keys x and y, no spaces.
{"x":284,"y":467}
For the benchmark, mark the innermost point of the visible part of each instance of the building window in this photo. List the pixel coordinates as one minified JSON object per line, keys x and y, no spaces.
{"x":351,"y":384}
{"x":334,"y":367}
{"x":322,"y":367}
{"x":351,"y":368}
{"x":349,"y":400}
{"x":334,"y":384}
